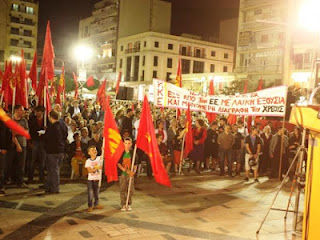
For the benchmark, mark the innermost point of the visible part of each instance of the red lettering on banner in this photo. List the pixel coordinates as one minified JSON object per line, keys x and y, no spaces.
{"x":226,"y":102}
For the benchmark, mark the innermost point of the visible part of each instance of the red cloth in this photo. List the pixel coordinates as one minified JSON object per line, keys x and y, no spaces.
{"x":147,"y":142}
{"x":90,"y":82}
{"x":118,"y":83}
{"x":232,"y":119}
{"x":179,"y":75}
{"x":197,"y":132}
{"x":33,"y":74}
{"x":47,"y":66}
{"x":101,"y":94}
{"x":211,"y":116}
{"x":8,"y":84}
{"x":113,"y":145}
{"x":15,"y":127}
{"x":75,"y":79}
{"x":189,"y":134}
{"x":21,"y":83}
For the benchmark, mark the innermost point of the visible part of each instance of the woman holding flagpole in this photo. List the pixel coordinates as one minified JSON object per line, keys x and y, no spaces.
{"x":199,"y":137}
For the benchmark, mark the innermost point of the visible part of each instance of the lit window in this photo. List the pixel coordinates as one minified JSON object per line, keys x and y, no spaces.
{"x":29,"y":10}
{"x":15,"y":7}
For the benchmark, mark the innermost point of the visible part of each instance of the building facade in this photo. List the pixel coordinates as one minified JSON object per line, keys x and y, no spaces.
{"x":261,"y":40}
{"x":149,"y":55}
{"x":18,"y":29}
{"x":99,"y":32}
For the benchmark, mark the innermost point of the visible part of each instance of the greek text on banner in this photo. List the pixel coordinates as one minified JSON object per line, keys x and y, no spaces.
{"x":267,"y":102}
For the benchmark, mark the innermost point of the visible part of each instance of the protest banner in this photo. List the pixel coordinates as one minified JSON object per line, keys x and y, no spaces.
{"x":266,"y":102}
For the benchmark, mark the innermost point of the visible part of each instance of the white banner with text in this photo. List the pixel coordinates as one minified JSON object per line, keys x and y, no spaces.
{"x":267,"y":102}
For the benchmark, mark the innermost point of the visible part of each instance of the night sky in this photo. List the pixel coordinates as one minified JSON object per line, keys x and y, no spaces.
{"x":199,"y":17}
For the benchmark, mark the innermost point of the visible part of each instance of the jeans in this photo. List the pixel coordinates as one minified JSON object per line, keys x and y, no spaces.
{"x":53,"y":168}
{"x":226,"y":153}
{"x":93,"y":193}
{"x":16,"y":164}
{"x":2,"y":166}
{"x":38,"y":155}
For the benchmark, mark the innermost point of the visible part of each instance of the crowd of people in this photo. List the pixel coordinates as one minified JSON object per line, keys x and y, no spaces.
{"x":63,"y":138}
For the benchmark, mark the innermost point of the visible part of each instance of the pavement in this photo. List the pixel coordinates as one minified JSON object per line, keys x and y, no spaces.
{"x":203,"y":206}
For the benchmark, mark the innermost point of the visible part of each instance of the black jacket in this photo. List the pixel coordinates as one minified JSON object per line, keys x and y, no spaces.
{"x":5,"y":137}
{"x":34,"y":128}
{"x":55,"y":138}
{"x":73,"y":148}
{"x":95,"y":116}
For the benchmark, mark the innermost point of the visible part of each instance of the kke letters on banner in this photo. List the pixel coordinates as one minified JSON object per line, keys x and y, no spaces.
{"x":266,"y":102}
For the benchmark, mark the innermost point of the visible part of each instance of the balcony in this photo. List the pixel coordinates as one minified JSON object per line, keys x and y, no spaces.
{"x":260,"y":69}
{"x":201,"y":55}
{"x":132,"y":50}
{"x":253,"y":3}
{"x":184,"y":53}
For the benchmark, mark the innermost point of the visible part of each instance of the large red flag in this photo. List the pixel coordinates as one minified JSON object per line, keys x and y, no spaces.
{"x":8,"y":84}
{"x":47,"y":66}
{"x":118,"y":83}
{"x":90,"y":82}
{"x":61,"y":86}
{"x":33,"y":75}
{"x":146,"y":141}
{"x":211,"y":116}
{"x":113,"y":145}
{"x":21,"y":83}
{"x":101,"y":94}
{"x":189,"y":136}
{"x":75,"y":79}
{"x":15,"y":127}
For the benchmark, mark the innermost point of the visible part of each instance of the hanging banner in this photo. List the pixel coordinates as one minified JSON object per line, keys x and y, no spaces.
{"x":267,"y":102}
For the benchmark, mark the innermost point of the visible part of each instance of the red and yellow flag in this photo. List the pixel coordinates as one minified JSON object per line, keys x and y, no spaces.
{"x":189,"y":136}
{"x":15,"y":127}
{"x":8,"y":84}
{"x":179,"y":75}
{"x":113,"y":145}
{"x":211,"y":116}
{"x":61,"y":86}
{"x":146,"y":141}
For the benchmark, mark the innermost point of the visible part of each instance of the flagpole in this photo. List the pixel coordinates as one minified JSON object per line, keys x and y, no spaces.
{"x":102,"y":161}
{"x":26,"y":89}
{"x":1,"y":100}
{"x":130,"y":180}
{"x":13,"y":99}
{"x":45,"y":106}
{"x":182,"y":152}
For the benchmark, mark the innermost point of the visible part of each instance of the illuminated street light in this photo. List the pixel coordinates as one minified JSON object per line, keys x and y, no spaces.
{"x":15,"y":58}
{"x":309,"y":16}
{"x":83,"y":53}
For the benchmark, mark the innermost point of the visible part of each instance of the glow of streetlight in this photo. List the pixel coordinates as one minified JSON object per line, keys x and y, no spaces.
{"x":83,"y":52}
{"x":309,"y":16}
{"x":15,"y":58}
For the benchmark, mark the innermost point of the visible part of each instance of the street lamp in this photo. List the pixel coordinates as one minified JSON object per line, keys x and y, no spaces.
{"x":82,"y":53}
{"x":15,"y":59}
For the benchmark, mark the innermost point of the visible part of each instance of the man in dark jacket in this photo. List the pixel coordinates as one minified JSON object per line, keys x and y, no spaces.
{"x":36,"y":126}
{"x":97,"y":114}
{"x":5,"y":139}
{"x":55,"y":140}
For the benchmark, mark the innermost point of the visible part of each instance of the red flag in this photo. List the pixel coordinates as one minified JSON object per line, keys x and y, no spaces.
{"x":146,"y":141}
{"x":90,"y":82}
{"x":118,"y":83}
{"x":1,"y":76}
{"x":211,"y":116}
{"x":101,"y":94}
{"x":8,"y":84}
{"x":232,"y":119}
{"x":75,"y":79}
{"x":179,"y":75}
{"x":61,"y":86}
{"x":113,"y":145}
{"x":33,"y":75}
{"x":21,"y":83}
{"x":47,"y":66}
{"x":15,"y":127}
{"x":260,"y":85}
{"x":189,"y":136}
